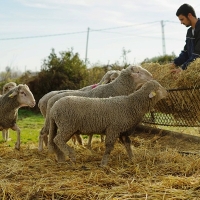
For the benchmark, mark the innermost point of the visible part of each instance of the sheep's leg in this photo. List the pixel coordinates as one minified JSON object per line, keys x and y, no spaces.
{"x":52,"y":147}
{"x":61,"y":140}
{"x":89,"y":146}
{"x":4,"y":134}
{"x":102,"y":138}
{"x":127,"y":143}
{"x":17,"y":144}
{"x":40,"y":140}
{"x":7,"y":135}
{"x":78,"y":138}
{"x":45,"y":139}
{"x":52,"y":134}
{"x":110,"y":140}
{"x":73,"y":139}
{"x":60,"y":156}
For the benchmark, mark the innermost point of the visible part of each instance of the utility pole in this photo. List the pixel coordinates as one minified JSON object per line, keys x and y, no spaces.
{"x":87,"y":45}
{"x":163,"y":37}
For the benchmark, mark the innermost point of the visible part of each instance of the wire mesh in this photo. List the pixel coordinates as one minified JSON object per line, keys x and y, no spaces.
{"x":180,"y":108}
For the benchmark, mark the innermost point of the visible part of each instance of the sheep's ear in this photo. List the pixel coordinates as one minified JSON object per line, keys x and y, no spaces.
{"x":13,"y":94}
{"x":152,"y":94}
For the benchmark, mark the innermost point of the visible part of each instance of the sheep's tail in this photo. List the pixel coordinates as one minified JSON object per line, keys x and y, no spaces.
{"x":52,"y":134}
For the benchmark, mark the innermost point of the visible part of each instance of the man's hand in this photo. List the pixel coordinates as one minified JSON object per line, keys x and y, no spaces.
{"x":176,"y":71}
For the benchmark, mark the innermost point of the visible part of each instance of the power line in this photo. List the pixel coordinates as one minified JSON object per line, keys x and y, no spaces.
{"x":118,"y":27}
{"x":40,"y":36}
{"x":73,"y":33}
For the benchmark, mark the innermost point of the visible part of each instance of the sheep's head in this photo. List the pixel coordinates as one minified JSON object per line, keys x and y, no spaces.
{"x":24,"y":95}
{"x":154,"y":90}
{"x":114,"y":75}
{"x":110,"y":76}
{"x":140,"y":75}
{"x":8,"y":86}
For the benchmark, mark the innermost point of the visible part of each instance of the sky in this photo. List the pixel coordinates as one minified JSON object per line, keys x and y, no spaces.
{"x":99,"y":31}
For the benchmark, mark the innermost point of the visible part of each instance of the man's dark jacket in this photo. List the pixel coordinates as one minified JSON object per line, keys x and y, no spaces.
{"x":191,"y":49}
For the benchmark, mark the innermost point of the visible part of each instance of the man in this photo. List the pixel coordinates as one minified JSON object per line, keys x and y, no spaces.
{"x":187,"y":17}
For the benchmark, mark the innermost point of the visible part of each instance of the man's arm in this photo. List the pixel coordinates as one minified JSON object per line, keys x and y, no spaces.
{"x":182,"y":58}
{"x":196,"y":53}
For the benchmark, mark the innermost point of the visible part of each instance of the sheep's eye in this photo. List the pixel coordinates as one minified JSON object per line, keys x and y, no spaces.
{"x":23,"y":93}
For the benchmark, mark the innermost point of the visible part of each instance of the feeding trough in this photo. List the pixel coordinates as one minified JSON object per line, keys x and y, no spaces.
{"x":181,"y":108}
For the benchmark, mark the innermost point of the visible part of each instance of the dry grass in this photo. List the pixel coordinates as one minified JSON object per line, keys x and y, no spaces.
{"x":158,"y":171}
{"x":186,"y":79}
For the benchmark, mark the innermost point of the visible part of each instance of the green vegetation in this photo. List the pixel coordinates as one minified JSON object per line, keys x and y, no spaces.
{"x":160,"y":59}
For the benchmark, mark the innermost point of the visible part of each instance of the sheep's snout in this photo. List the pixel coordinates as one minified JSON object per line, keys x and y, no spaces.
{"x":32,"y":104}
{"x":163,"y":92}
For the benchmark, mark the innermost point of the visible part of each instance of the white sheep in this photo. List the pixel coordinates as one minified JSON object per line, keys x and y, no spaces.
{"x":10,"y":102}
{"x":113,"y":117}
{"x":107,"y":78}
{"x":42,"y":104}
{"x":126,"y":83}
{"x":6,"y":88}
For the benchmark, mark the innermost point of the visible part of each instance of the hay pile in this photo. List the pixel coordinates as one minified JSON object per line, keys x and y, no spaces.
{"x":184,"y":105}
{"x":189,"y":78}
{"x":157,"y":172}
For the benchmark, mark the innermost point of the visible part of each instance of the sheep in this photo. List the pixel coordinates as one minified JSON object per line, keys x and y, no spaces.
{"x":6,"y":88}
{"x":42,"y":104}
{"x":127,"y":82}
{"x":113,"y":116}
{"x":107,"y":78}
{"x":10,"y":102}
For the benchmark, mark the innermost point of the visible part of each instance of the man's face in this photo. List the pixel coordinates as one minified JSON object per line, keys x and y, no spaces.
{"x":184,"y":20}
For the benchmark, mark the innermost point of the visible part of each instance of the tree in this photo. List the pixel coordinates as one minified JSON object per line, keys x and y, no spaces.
{"x":66,"y":71}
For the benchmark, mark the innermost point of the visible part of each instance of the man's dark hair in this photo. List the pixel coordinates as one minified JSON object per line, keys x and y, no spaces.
{"x":185,"y":9}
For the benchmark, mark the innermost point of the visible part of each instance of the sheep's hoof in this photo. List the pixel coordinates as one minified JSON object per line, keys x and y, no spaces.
{"x":89,"y":147}
{"x":131,"y":161}
{"x":17,"y":147}
{"x":40,"y":149}
{"x":60,"y":160}
{"x":72,"y":159}
{"x":104,"y":166}
{"x":50,"y":148}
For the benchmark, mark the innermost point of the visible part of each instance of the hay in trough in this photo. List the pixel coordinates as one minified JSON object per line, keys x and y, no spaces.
{"x":183,"y":101}
{"x":158,"y":171}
